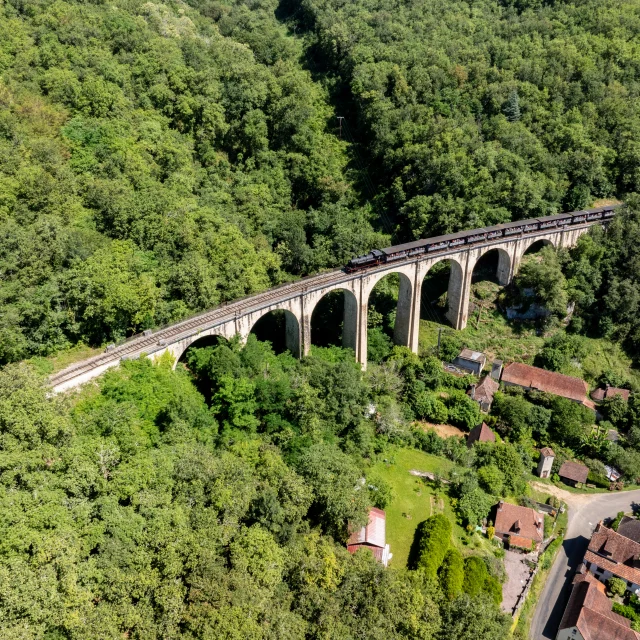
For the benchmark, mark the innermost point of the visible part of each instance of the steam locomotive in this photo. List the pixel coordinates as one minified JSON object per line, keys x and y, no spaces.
{"x":477,"y":236}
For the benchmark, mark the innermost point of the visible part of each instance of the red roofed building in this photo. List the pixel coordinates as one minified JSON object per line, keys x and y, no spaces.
{"x":588,"y":615}
{"x":483,"y":392}
{"x":520,"y":527}
{"x":481,"y":433}
{"x":528,"y":377}
{"x":573,"y":473}
{"x":601,"y":394}
{"x":611,"y":554}
{"x":372,"y":537}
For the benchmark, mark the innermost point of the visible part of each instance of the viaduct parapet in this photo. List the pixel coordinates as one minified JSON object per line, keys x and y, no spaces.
{"x":298,"y":300}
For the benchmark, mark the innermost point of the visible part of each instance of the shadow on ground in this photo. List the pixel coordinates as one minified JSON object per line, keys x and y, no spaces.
{"x":575,"y":549}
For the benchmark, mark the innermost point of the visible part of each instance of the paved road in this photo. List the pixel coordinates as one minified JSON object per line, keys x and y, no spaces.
{"x":583,"y":517}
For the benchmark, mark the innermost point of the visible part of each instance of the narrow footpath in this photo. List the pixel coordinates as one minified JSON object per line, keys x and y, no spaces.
{"x":585,"y":511}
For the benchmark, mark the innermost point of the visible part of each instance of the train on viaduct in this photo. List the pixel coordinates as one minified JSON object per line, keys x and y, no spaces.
{"x":411,"y":261}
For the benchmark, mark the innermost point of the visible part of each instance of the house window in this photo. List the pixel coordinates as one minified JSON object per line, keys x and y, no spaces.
{"x":599,"y":570}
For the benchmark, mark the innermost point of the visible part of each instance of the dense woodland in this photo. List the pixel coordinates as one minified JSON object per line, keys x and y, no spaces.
{"x":143,"y":508}
{"x":157,"y":159}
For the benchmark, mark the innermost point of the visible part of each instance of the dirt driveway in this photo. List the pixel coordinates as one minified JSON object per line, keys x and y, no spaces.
{"x":517,"y":576}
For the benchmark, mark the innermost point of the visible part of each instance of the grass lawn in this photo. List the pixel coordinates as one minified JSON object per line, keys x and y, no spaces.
{"x":63,"y":359}
{"x":415,"y":500}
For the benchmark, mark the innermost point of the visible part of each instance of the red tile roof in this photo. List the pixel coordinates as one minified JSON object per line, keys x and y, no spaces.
{"x":574,"y":471}
{"x":600,"y":393}
{"x":486,"y":389}
{"x":589,"y":610}
{"x":520,"y":542}
{"x":627,"y":573}
{"x":481,"y":433}
{"x":525,"y":375}
{"x":374,"y":533}
{"x":522,"y":522}
{"x":378,"y":552}
{"x":547,"y":452}
{"x":614,"y":546}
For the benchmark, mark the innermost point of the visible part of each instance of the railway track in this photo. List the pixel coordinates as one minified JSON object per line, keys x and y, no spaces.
{"x":158,"y":339}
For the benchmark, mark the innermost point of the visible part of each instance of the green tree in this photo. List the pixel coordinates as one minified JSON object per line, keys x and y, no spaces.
{"x":434,"y":536}
{"x":512,"y":107}
{"x":451,"y":574}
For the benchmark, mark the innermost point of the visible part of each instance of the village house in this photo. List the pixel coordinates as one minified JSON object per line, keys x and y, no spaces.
{"x":612,"y":554}
{"x":519,"y":527}
{"x":372,"y":537}
{"x":481,"y":433}
{"x":589,"y":614}
{"x":483,"y":392}
{"x":573,"y":473}
{"x":603,"y":393}
{"x":534,"y":378}
{"x":472,"y":361}
{"x":545,"y":464}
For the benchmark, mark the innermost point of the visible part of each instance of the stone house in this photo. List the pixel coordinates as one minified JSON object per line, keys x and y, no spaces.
{"x":589,"y":614}
{"x":612,"y":554}
{"x":519,"y":527}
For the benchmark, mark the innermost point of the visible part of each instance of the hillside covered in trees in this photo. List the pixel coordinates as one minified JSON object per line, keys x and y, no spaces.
{"x":158,"y":159}
{"x":144,"y":508}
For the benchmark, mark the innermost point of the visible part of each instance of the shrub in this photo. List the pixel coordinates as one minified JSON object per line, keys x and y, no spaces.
{"x":616,"y":586}
{"x":616,"y":523}
{"x":434,"y":535}
{"x":452,"y":573}
{"x":477,"y":580}
{"x":491,"y":479}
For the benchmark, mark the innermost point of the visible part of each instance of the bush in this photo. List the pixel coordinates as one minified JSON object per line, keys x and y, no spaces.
{"x":598,"y":480}
{"x":548,"y":526}
{"x":616,"y":523}
{"x":434,"y":536}
{"x":429,"y":406}
{"x":477,"y":580}
{"x":616,"y":586}
{"x":491,"y":479}
{"x":452,"y":573}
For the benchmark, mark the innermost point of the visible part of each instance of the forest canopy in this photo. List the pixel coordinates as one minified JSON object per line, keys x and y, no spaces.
{"x":158,"y":159}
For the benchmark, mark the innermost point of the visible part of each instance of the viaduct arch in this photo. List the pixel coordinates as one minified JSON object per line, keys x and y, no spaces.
{"x":299,"y":299}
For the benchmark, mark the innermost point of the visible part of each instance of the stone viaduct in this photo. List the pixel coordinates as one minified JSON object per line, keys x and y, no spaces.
{"x":297,"y":300}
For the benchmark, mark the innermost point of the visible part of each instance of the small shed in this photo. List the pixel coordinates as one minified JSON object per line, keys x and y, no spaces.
{"x":483,"y":393}
{"x":547,"y":456}
{"x":573,"y":473}
{"x":472,"y":361}
{"x":481,"y":433}
{"x":372,"y":537}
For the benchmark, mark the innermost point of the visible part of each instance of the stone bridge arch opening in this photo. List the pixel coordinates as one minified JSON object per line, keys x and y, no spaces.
{"x":494,"y":266}
{"x":388,"y":314}
{"x":537,"y":245}
{"x":334,"y":320}
{"x":212,"y":340}
{"x":281,"y":328}
{"x":442,"y":292}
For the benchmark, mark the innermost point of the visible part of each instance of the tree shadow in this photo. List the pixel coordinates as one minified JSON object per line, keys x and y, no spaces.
{"x":414,"y":551}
